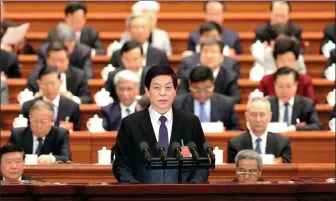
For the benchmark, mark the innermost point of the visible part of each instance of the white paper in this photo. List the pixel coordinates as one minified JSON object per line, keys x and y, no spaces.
{"x":15,"y":34}
{"x":277,"y":127}
{"x":213,"y":127}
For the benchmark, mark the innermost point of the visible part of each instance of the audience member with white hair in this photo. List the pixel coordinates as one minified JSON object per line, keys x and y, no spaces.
{"x":248,"y":166}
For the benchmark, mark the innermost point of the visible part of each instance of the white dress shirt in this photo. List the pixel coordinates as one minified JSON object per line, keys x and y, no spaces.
{"x":282,"y":108}
{"x":64,"y":89}
{"x":55,"y":103}
{"x":124,"y":108}
{"x":154,"y":116}
{"x":207,"y":107}
{"x":215,"y":72}
{"x":145,"y":49}
{"x":262,"y":143}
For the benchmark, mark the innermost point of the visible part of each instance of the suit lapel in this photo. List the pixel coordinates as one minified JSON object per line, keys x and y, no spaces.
{"x":176,"y":130}
{"x":297,"y":107}
{"x":116,"y":118}
{"x":147,"y":130}
{"x":28,"y":142}
{"x":48,"y":142}
{"x":247,"y":141}
{"x":149,"y":55}
{"x":188,"y":104}
{"x":60,"y":111}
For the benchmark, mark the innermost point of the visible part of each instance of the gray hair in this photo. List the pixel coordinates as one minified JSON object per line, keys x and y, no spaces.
{"x":126,"y":75}
{"x":258,"y":99}
{"x":248,"y":154}
{"x":63,"y":33}
{"x":133,"y":17}
{"x":42,"y":105}
{"x":279,"y":3}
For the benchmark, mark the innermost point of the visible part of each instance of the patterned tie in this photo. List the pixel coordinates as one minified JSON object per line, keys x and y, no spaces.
{"x":286,"y":114}
{"x":258,"y":149}
{"x":163,"y":133}
{"x":202,"y":115}
{"x":39,"y":147}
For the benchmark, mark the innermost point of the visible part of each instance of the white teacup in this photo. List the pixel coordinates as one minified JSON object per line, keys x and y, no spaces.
{"x":104,"y":156}
{"x":219,"y":155}
{"x":330,"y":72}
{"x":24,"y":96}
{"x":31,"y":159}
{"x":332,"y":125}
{"x":102,"y":98}
{"x":105,"y":71}
{"x":331,"y":97}
{"x":268,"y":159}
{"x":20,"y":121}
{"x":95,"y":124}
{"x":257,"y":72}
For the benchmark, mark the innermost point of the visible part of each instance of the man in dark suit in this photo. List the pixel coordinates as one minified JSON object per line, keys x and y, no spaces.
{"x":49,"y":82}
{"x":132,"y":58}
{"x":80,"y":54}
{"x":258,"y":115}
{"x":74,"y":81}
{"x":333,"y":113}
{"x":9,"y":64}
{"x":204,"y":103}
{"x":153,"y":56}
{"x":158,"y":123}
{"x":297,"y":111}
{"x":279,"y":12}
{"x":329,"y":34}
{"x":214,"y":11}
{"x":50,"y":143}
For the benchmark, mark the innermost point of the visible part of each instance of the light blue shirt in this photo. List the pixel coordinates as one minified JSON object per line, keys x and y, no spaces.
{"x":207,"y":106}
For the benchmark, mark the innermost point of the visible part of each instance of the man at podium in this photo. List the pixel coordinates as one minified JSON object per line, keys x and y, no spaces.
{"x":158,"y":123}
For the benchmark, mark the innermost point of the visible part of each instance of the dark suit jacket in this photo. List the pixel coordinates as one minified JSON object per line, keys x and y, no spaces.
{"x":109,"y":84}
{"x":229,"y":38}
{"x":222,"y":109}
{"x":80,"y":58}
{"x":303,"y":109}
{"x":153,"y":56}
{"x":329,"y":34}
{"x":76,"y":81}
{"x":9,"y":64}
{"x":129,"y":164}
{"x":295,"y":29}
{"x":305,"y":86}
{"x":66,"y":108}
{"x":333,"y":113}
{"x":111,"y":115}
{"x":25,"y":178}
{"x":276,"y":144}
{"x":56,"y":142}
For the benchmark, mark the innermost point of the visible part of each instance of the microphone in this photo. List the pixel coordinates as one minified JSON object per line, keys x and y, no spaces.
{"x":161,"y":151}
{"x":193,"y":149}
{"x":177,"y":149}
{"x":145,"y":149}
{"x":208,"y":149}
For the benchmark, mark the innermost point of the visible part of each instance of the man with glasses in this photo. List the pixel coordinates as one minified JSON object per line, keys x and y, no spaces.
{"x":208,"y":105}
{"x":258,"y":115}
{"x":248,"y":166}
{"x":50,"y":143}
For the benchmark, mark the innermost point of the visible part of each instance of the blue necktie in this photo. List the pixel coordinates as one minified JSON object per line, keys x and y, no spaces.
{"x":202,"y":114}
{"x":286,"y":114}
{"x":258,"y":149}
{"x":163,"y":133}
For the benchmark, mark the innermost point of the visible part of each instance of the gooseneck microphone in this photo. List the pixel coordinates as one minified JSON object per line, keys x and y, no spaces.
{"x":209,"y":150}
{"x":145,"y":149}
{"x":161,"y":151}
{"x":193,"y":149}
{"x":177,"y":149}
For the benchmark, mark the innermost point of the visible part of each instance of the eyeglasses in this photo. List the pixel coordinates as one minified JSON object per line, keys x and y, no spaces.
{"x":126,"y":89}
{"x":206,"y":90}
{"x":249,"y":173}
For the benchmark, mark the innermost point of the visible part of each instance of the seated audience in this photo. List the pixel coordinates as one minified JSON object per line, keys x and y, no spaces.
{"x":132,"y":57}
{"x":50,"y":143}
{"x":79,"y":54}
{"x":329,"y":34}
{"x":208,"y":105}
{"x":127,"y":89}
{"x":4,"y":92}
{"x":297,"y":111}
{"x":75,"y":17}
{"x":330,"y":62}
{"x":9,"y":64}
{"x":139,"y":29}
{"x":279,"y":13}
{"x":214,"y":11}
{"x":49,"y":82}
{"x":286,"y":55}
{"x":12,"y":164}
{"x":248,"y":166}
{"x":258,"y":115}
{"x":74,"y":81}
{"x":158,"y":37}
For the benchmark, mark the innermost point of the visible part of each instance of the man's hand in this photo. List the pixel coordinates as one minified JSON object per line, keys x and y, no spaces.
{"x":45,"y":159}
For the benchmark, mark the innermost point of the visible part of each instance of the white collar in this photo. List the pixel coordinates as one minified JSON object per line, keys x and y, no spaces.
{"x":131,"y":107}
{"x":215,"y":72}
{"x":155,"y":116}
{"x":263,"y":137}
{"x":55,"y":102}
{"x":291,"y":102}
{"x":35,"y":137}
{"x":145,"y":48}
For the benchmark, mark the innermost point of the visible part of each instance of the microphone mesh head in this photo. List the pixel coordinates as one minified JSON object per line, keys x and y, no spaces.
{"x":206,"y":145}
{"x":144,"y":145}
{"x":176,"y":145}
{"x":192,"y":145}
{"x":159,"y":146}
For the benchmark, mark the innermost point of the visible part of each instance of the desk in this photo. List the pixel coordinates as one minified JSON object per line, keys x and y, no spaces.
{"x":307,"y":147}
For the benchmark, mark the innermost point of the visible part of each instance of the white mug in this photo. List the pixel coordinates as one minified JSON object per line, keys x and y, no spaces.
{"x":31,"y":159}
{"x":332,"y":124}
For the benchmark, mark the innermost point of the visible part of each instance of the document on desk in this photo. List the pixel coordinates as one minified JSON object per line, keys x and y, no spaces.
{"x":15,"y":34}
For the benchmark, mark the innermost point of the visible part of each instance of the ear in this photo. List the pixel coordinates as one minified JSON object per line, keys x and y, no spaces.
{"x":147,"y":91}
{"x":39,"y":84}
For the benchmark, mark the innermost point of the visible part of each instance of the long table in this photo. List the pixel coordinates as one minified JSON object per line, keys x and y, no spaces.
{"x":307,"y":147}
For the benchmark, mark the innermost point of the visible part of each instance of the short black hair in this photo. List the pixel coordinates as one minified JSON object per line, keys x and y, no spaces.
{"x":75,"y":6}
{"x":272,"y":31}
{"x":213,"y":41}
{"x":157,"y":70}
{"x":206,"y":3}
{"x":209,"y":26}
{"x":286,"y":44}
{"x":46,"y":70}
{"x":57,"y":46}
{"x":11,"y":148}
{"x":286,"y":71}
{"x":286,"y":2}
{"x":201,"y":74}
{"x":130,"y":45}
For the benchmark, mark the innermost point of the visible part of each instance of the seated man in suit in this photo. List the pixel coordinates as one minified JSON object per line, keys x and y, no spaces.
{"x":132,"y":57}
{"x":279,"y":13}
{"x":12,"y":164}
{"x":286,"y":53}
{"x":248,"y":166}
{"x":4,"y":92}
{"x":214,"y":11}
{"x":224,"y":69}
{"x":333,"y":113}
{"x":74,"y":81}
{"x":158,"y":37}
{"x":329,"y":34}
{"x":49,"y":82}
{"x":127,"y":88}
{"x":9,"y":64}
{"x":258,"y":115}
{"x":208,"y":105}
{"x":162,"y":123}
{"x":138,"y":28}
{"x":50,"y":143}
{"x":297,"y":111}
{"x":79,"y":54}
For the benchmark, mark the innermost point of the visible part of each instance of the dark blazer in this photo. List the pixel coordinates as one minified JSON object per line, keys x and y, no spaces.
{"x":295,"y":29}
{"x":222,"y":109}
{"x":25,"y":178}
{"x":80,"y":58}
{"x":9,"y":64}
{"x":153,"y":56}
{"x":276,"y":144}
{"x":76,"y":81}
{"x":303,"y":109}
{"x":305,"y":86}
{"x":333,"y":113}
{"x":329,"y":34}
{"x":109,"y":84}
{"x":229,"y":38}
{"x":66,"y":108}
{"x":56,"y":142}
{"x":111,"y":115}
{"x":129,"y":164}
